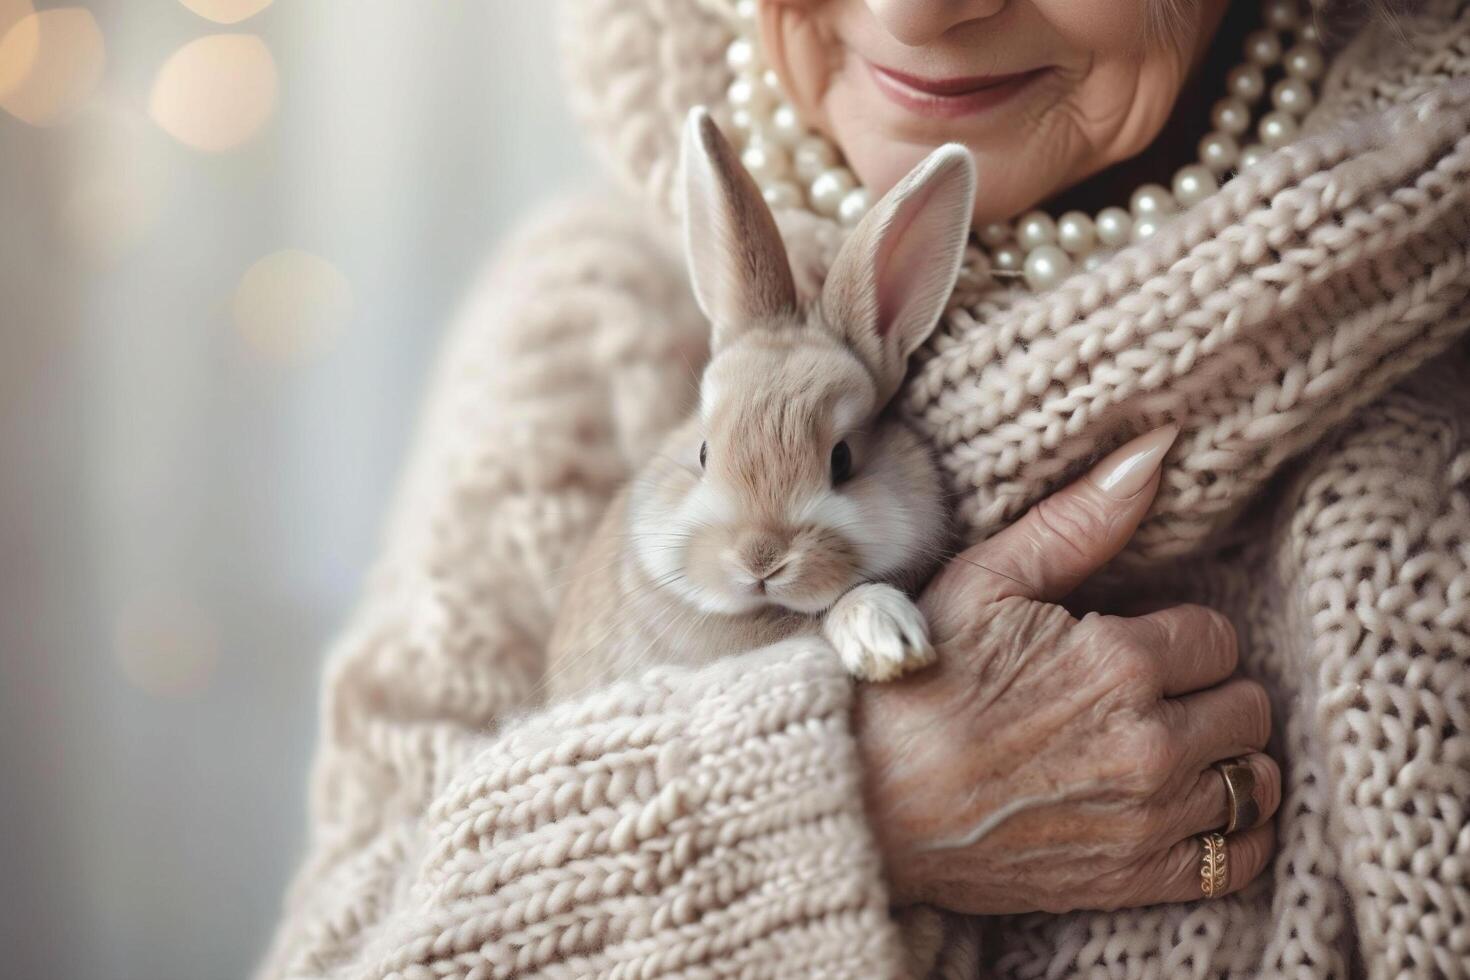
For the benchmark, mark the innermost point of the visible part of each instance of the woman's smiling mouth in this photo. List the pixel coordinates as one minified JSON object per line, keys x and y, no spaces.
{"x":949,"y":98}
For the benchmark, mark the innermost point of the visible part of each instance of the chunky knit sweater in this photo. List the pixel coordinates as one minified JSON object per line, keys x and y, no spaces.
{"x":1305,"y":326}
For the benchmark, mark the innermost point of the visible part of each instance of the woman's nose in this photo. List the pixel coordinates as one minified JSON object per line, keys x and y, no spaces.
{"x":917,"y":22}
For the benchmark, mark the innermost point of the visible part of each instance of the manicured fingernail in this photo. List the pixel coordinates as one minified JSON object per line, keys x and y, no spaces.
{"x":1127,"y":469}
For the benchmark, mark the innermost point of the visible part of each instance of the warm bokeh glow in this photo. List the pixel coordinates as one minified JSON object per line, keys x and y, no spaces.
{"x":292,"y":305}
{"x":166,"y":646}
{"x":12,"y":11}
{"x":216,"y":92}
{"x":17,"y":53}
{"x":190,"y":499}
{"x":226,"y":11}
{"x":50,"y":62}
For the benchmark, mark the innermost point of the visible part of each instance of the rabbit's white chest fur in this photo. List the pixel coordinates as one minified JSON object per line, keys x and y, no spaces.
{"x":792,"y":501}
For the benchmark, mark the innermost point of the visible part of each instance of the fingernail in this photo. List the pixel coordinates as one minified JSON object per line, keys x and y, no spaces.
{"x":1127,"y":469}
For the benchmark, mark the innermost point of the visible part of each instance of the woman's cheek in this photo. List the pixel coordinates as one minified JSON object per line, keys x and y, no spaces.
{"x":801,"y":39}
{"x":804,"y":50}
{"x":1137,"y":57}
{"x":1120,"y":107}
{"x":879,"y":158}
{"x":1115,"y":26}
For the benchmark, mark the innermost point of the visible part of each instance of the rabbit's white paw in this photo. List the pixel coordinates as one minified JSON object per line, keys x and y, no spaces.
{"x":878,"y":632}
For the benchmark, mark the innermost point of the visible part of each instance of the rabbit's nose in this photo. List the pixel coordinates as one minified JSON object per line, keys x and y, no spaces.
{"x":764,"y":554}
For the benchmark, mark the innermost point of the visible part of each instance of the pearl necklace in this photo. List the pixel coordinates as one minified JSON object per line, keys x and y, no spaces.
{"x":795,"y":166}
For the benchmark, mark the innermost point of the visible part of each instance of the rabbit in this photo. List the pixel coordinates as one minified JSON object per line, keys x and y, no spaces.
{"x":791,"y":502}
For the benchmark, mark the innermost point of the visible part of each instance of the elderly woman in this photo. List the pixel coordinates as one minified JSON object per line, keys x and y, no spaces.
{"x":1209,"y":335}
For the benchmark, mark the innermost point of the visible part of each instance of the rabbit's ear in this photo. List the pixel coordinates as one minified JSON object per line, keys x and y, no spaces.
{"x":893,"y":276}
{"x":737,"y":262}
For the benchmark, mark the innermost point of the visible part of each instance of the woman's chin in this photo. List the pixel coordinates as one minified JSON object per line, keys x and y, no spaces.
{"x":1022,"y":151}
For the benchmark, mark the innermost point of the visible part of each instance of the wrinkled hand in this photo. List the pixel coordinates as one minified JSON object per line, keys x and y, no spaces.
{"x":1049,"y":763}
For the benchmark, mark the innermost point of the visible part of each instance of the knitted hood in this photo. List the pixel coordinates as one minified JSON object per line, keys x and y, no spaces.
{"x":1258,"y":320}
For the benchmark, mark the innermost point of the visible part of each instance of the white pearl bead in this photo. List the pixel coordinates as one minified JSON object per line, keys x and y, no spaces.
{"x":744,"y":93}
{"x":854,"y":205}
{"x":1114,"y":227}
{"x":1252,"y":155}
{"x":1219,"y":151}
{"x":1264,"y":48}
{"x":1046,"y":266}
{"x":1076,"y":233}
{"x":828,"y":190}
{"x":995,"y":234}
{"x":782,"y":194}
{"x":812,"y":156}
{"x":1092,"y":260}
{"x":765,"y":161}
{"x":741,"y":120}
{"x":1008,"y":258}
{"x":772,"y":81}
{"x":1277,"y":129}
{"x":741,"y":56}
{"x":1309,"y":33}
{"x":745,"y":10}
{"x":1231,"y":115}
{"x":1305,"y":61}
{"x":1151,"y":199}
{"x":1282,"y":14}
{"x":1292,"y":95}
{"x":786,"y":127}
{"x":1146,"y":227}
{"x":1246,"y":82}
{"x":1035,"y":228}
{"x":1193,"y":184}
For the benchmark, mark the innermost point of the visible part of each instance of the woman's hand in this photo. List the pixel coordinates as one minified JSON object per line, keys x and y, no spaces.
{"x":1050,"y":763}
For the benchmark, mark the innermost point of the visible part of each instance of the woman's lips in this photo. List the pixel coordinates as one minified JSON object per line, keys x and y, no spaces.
{"x":947,"y":98}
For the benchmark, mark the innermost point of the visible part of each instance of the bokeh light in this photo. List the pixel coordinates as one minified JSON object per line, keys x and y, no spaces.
{"x":18,"y":53}
{"x":216,"y":92}
{"x":50,"y":62}
{"x":166,"y":646}
{"x":292,"y":306}
{"x":12,"y":11}
{"x":226,"y":11}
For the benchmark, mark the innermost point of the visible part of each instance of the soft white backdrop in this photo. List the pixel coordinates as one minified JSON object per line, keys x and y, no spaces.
{"x":189,"y":497}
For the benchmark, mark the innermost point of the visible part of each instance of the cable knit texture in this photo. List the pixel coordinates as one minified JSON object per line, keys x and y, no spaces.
{"x":1305,"y":326}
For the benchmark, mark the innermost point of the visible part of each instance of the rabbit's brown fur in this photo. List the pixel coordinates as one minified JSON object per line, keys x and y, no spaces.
{"x":791,"y":502}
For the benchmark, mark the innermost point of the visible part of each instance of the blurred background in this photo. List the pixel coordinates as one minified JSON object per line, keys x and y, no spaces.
{"x":231,"y":232}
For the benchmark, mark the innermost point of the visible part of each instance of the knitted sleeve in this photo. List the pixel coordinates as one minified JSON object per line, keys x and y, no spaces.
{"x":706,"y":821}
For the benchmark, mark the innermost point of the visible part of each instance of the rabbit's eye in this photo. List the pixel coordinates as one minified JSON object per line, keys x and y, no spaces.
{"x":841,"y":462}
{"x":703,"y":453}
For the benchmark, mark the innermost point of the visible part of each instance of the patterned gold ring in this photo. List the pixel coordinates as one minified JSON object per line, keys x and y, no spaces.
{"x":1214,"y":866}
{"x":1240,"y":795}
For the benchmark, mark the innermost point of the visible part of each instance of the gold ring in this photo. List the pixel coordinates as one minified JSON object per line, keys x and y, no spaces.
{"x":1240,"y":795}
{"x":1214,"y":865}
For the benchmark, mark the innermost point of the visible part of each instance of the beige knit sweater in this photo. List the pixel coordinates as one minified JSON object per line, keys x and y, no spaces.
{"x":1305,"y":326}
